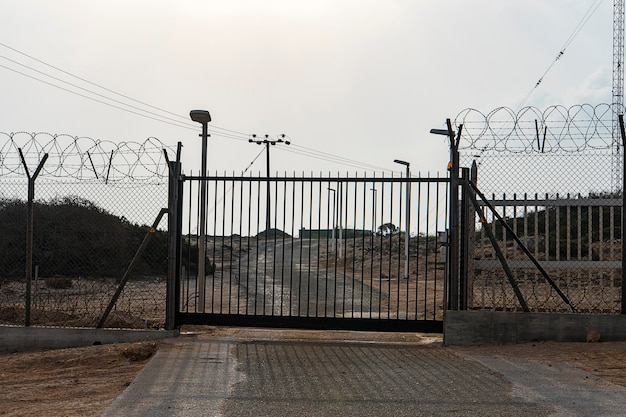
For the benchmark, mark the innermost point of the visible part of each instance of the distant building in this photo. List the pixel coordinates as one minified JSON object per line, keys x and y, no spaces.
{"x":328,"y":233}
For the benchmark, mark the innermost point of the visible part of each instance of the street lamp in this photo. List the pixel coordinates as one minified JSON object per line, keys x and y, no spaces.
{"x":267,"y":142}
{"x":203,"y":117}
{"x":333,"y":231}
{"x":453,"y":167}
{"x":408,"y":218}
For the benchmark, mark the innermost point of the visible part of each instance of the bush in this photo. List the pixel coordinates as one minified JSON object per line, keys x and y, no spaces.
{"x":73,"y":237}
{"x":59,"y":283}
{"x":140,"y":352}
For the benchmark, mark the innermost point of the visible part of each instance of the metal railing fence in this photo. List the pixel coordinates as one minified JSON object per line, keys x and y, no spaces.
{"x":335,"y":249}
{"x":577,"y":241}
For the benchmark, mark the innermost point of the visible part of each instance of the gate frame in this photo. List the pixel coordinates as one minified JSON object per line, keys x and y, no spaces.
{"x":176,"y":318}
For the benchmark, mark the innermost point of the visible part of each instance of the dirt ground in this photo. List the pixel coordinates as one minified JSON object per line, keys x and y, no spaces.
{"x":84,"y":381}
{"x":69,"y":382}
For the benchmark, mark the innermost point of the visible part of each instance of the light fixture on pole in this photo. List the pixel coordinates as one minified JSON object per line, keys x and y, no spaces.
{"x":267,"y":142}
{"x":203,"y":117}
{"x":408,"y":216}
{"x":453,"y":235}
{"x":334,"y":216}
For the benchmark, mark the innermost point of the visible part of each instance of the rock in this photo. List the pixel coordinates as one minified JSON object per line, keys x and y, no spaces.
{"x":593,"y":336}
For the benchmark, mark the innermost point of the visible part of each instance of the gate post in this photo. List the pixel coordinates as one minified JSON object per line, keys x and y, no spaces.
{"x":454,"y":251}
{"x":174,"y":246}
{"x":454,"y":216}
{"x":464,"y":235}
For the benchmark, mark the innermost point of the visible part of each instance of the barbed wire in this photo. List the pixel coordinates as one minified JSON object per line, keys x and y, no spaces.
{"x":557,"y":129}
{"x":82,"y":158}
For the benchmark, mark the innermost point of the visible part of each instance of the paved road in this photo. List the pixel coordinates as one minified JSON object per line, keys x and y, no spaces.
{"x":257,"y":372}
{"x":284,"y":277}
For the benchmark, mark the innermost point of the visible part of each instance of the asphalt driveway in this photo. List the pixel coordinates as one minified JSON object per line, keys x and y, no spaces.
{"x":261,"y":372}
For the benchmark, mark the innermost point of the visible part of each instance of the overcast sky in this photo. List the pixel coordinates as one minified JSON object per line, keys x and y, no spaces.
{"x":359,"y":79}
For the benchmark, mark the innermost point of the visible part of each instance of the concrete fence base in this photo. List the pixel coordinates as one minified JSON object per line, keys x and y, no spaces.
{"x":20,"y":339}
{"x":464,"y":328}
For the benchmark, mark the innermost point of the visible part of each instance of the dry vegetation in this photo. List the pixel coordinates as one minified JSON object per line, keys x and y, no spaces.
{"x":141,"y":304}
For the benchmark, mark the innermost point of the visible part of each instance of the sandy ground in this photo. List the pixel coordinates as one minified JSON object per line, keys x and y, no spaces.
{"x":68,"y":382}
{"x":605,"y":359}
{"x":84,"y":381}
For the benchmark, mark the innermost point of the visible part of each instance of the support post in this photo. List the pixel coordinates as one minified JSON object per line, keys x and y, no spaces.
{"x":623,"y":134}
{"x":454,"y":216}
{"x":268,"y":223}
{"x":471,"y":239}
{"x":464,"y":235}
{"x":29,"y":232}
{"x":174,"y":246}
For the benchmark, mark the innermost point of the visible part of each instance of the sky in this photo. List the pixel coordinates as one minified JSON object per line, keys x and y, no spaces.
{"x":363,"y":80}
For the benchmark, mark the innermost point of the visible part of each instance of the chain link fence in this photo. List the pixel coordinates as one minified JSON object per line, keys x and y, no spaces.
{"x":93,"y":204}
{"x":554,"y":176}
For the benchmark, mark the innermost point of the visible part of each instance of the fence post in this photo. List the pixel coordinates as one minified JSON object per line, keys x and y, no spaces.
{"x":623,"y":134}
{"x":29,"y":232}
{"x":454,"y":216}
{"x":174,"y":245}
{"x":471,"y":239}
{"x":464,"y":236}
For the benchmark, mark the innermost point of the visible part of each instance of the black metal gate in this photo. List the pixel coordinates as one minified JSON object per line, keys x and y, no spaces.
{"x":327,"y":253}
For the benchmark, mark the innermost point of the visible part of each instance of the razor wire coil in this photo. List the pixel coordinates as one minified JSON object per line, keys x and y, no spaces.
{"x":82,"y":158}
{"x":557,"y":129}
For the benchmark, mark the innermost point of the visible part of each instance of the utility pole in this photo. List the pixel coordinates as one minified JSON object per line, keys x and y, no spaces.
{"x":267,"y":142}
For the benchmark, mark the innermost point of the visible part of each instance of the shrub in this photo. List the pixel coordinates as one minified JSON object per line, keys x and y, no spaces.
{"x":140,"y":352}
{"x":59,"y":283}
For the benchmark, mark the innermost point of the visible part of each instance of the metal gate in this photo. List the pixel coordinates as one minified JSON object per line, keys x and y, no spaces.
{"x":327,"y":253}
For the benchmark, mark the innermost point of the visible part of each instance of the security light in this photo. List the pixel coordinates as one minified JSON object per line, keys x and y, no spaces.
{"x":443,"y":132}
{"x":200,"y":116}
{"x":397,"y":161}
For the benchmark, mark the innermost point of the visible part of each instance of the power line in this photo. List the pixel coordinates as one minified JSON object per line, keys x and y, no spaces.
{"x":183,"y":123}
{"x":93,"y":99}
{"x":333,"y":158}
{"x":183,"y":118}
{"x":93,"y":92}
{"x":592,"y":9}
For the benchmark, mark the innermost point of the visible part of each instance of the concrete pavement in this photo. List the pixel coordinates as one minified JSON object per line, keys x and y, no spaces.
{"x":269,"y":372}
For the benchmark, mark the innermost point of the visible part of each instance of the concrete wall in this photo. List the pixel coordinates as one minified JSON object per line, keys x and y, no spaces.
{"x":19,"y":339}
{"x":464,"y":328}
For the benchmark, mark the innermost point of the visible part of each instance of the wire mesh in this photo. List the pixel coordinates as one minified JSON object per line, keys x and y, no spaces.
{"x":551,"y":176}
{"x":93,"y":202}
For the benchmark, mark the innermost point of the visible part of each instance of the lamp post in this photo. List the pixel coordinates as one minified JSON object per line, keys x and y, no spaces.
{"x":408,"y":216}
{"x":453,"y":167}
{"x":267,"y":142}
{"x":203,"y":117}
{"x":333,"y":231}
